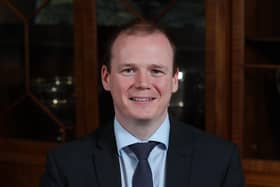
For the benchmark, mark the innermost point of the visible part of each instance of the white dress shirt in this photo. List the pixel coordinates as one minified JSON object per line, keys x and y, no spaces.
{"x":157,"y":158}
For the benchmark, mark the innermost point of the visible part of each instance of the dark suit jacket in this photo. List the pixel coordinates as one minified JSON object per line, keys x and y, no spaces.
{"x":194,"y":159}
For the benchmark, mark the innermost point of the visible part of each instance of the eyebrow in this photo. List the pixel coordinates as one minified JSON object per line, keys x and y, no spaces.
{"x":159,"y":66}
{"x":126,"y":65}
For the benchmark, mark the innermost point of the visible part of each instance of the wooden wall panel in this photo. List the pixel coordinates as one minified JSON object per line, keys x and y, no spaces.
{"x":86,"y":66}
{"x":20,"y":174}
{"x":22,"y":162}
{"x":218,"y":67}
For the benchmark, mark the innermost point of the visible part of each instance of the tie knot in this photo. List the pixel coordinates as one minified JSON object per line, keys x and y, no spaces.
{"x":142,"y":150}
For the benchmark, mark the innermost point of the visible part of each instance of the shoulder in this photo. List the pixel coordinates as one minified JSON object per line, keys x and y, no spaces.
{"x":213,"y":159}
{"x":79,"y":148}
{"x":203,"y":142}
{"x":209,"y":151}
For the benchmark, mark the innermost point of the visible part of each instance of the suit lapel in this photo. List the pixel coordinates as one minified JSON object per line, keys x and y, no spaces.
{"x":179,"y":156}
{"x":105,"y":158}
{"x":178,"y":163}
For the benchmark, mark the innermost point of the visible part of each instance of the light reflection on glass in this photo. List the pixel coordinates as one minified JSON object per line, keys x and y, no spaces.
{"x":180,"y":76}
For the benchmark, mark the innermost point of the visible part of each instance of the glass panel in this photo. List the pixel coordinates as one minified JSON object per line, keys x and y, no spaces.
{"x":11,"y":66}
{"x":185,"y":21}
{"x":262,"y":87}
{"x":7,"y":16}
{"x":261,"y":51}
{"x":111,"y":13}
{"x":56,"y":12}
{"x":262,"y":101}
{"x":51,"y":62}
{"x":24,"y":7}
{"x":36,"y":70}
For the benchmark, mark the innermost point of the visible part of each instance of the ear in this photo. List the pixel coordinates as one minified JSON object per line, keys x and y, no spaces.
{"x":105,"y":78}
{"x":175,"y":82}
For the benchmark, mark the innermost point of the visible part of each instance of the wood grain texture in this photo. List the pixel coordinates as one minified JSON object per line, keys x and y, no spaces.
{"x":218,"y":67}
{"x":86,"y":67}
{"x":258,"y":173}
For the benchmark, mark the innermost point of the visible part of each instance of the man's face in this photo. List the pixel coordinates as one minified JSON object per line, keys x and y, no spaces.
{"x":141,"y":80}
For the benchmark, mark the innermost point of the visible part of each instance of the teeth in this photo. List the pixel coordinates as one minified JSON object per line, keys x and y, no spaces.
{"x":141,"y":99}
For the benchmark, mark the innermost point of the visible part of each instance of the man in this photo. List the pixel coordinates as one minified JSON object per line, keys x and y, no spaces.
{"x":141,"y":77}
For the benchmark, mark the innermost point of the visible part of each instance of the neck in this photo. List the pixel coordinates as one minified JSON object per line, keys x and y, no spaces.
{"x":142,"y":129}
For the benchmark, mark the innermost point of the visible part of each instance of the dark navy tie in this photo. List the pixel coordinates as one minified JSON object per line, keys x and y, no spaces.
{"x":143,"y":174}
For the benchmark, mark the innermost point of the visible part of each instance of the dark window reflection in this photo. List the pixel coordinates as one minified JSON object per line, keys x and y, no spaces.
{"x":262,"y":100}
{"x":36,"y":70}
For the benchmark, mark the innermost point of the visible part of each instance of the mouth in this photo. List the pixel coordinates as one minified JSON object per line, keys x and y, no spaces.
{"x":142,"y":99}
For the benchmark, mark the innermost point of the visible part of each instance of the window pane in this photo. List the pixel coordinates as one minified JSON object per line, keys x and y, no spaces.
{"x":52,"y":61}
{"x":262,"y":101}
{"x":36,"y":59}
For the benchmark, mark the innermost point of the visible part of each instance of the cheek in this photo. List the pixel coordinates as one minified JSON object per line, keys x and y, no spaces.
{"x":164,"y":86}
{"x":120,"y":85}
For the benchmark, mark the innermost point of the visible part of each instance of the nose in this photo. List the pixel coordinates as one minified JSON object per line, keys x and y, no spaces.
{"x":142,"y":80}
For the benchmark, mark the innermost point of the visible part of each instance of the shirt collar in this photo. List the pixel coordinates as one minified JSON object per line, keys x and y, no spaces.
{"x":124,"y":138}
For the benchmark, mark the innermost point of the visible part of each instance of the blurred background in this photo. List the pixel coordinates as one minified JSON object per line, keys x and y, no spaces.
{"x":50,"y":90}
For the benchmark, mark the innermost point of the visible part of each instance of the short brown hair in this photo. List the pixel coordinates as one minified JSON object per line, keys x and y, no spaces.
{"x":137,"y":27}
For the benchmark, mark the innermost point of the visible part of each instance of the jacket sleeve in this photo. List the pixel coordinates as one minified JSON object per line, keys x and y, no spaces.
{"x":234,"y":175}
{"x":52,"y":176}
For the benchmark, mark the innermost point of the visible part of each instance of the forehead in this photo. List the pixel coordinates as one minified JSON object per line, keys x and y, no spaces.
{"x":142,"y":41}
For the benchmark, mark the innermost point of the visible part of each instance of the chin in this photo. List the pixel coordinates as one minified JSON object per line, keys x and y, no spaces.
{"x":146,"y":116}
{"x":142,"y":118}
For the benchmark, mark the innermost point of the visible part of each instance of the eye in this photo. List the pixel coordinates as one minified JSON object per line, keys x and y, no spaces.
{"x":127,"y":71}
{"x":157,"y":72}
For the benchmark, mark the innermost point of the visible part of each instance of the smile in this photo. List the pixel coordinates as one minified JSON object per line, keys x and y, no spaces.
{"x":142,"y":99}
